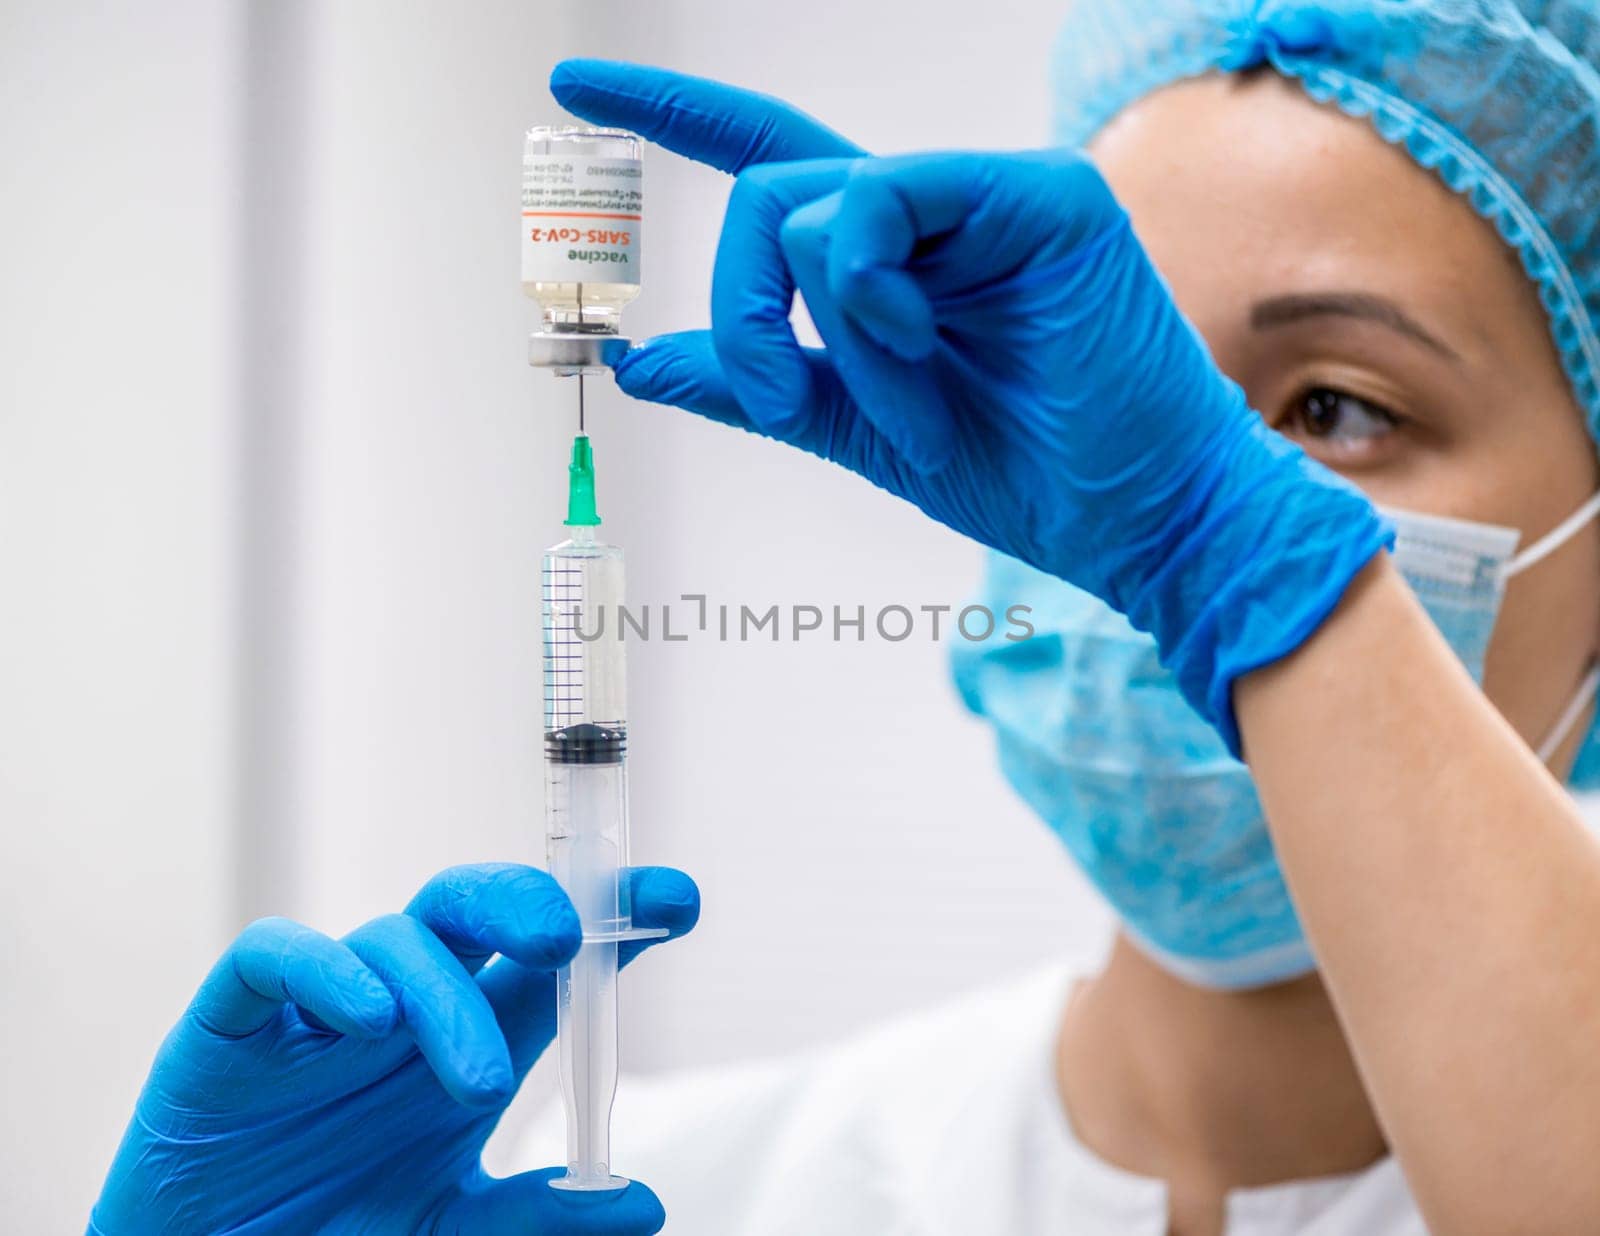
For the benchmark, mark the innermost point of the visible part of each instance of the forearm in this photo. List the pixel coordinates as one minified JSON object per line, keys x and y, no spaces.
{"x":1452,"y":896}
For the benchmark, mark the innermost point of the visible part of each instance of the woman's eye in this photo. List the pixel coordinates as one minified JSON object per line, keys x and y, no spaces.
{"x":1336,"y":418}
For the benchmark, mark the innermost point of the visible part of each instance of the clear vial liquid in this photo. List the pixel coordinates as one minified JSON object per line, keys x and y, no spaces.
{"x":591,"y":308}
{"x":591,"y":216}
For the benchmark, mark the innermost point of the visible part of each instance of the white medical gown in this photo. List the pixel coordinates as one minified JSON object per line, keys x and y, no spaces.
{"x":941,"y":1124}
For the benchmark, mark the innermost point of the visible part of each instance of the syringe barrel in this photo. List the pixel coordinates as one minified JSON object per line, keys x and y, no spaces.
{"x":586,"y":840}
{"x":585,"y":667}
{"x":586,"y":732}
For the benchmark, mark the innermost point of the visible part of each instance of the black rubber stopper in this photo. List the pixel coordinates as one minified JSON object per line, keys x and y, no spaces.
{"x":586,"y":743}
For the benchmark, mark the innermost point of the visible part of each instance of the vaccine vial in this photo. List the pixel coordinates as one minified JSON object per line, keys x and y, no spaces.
{"x":582,"y":212}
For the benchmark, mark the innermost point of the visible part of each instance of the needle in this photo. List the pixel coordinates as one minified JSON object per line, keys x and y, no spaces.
{"x":580,"y":372}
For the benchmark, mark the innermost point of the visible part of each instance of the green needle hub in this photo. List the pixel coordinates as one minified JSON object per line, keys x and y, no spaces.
{"x":580,"y":485}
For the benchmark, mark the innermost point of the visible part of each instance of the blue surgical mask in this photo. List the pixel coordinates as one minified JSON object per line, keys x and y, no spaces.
{"x":1095,"y":736}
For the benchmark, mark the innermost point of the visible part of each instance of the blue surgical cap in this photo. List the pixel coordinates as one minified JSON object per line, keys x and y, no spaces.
{"x":1499,"y":98}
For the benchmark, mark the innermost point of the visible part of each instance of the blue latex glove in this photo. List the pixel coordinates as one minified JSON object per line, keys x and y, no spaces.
{"x":350,"y":1086}
{"x":1001,"y":352}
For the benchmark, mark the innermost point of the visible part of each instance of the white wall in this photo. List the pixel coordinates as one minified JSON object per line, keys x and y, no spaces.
{"x":370,"y":583}
{"x":117,"y":203}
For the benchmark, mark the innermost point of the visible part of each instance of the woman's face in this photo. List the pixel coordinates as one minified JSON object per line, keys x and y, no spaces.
{"x":1377,"y":321}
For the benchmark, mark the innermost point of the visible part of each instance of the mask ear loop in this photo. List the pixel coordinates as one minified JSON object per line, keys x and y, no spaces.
{"x":1532,"y":556}
{"x":1554,"y":539}
{"x":1569,"y":716}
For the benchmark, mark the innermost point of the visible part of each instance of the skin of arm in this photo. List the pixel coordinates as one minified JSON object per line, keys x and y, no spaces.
{"x":1453,"y":897}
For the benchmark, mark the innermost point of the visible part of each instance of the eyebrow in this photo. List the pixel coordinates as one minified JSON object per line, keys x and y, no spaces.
{"x":1285,"y":310}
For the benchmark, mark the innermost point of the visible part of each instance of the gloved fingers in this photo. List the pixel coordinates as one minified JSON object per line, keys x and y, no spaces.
{"x":661,"y":897}
{"x":440,"y":1007}
{"x":275,"y":961}
{"x":526,"y":1203}
{"x":752,"y":293}
{"x":900,"y":399}
{"x":704,"y":120}
{"x":524,"y":1004}
{"x":958,"y":221}
{"x":486,"y":908}
{"x":682,"y":369}
{"x":874,"y":229}
{"x":523,"y":999}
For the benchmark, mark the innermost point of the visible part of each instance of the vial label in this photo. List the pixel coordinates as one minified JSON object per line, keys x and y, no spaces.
{"x":580,"y":219}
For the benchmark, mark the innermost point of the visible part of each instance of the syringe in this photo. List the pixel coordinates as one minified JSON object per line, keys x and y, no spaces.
{"x":586,"y":815}
{"x":582,"y":216}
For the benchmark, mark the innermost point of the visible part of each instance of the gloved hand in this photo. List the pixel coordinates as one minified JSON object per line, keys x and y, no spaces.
{"x":1001,"y":352}
{"x":350,"y":1086}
